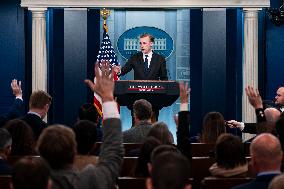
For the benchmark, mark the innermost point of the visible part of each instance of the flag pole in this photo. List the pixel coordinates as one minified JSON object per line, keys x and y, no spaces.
{"x":106,"y":51}
{"x":97,"y":99}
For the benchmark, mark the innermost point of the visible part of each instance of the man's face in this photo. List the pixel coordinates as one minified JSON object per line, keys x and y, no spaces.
{"x":279,"y":98}
{"x":145,"y":45}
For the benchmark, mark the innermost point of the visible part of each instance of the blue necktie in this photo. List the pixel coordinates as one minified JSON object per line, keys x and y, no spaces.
{"x":146,"y":65}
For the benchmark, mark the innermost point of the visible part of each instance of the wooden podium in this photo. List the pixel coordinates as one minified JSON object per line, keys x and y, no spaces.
{"x":159,"y":93}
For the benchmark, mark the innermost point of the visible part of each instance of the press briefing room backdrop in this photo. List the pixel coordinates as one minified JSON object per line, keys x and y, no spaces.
{"x":206,"y":52}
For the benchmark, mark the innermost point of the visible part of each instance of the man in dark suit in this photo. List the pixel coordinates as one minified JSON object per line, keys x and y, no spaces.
{"x":266,"y":156}
{"x":147,"y":65}
{"x":38,"y":107}
{"x":17,"y":108}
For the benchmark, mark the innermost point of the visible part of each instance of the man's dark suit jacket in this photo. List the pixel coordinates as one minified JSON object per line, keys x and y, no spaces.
{"x":15,"y":111}
{"x":36,"y":123}
{"x":138,"y":133}
{"x":157,"y":69}
{"x":5,"y":168}
{"x":251,"y":127}
{"x":260,"y":182}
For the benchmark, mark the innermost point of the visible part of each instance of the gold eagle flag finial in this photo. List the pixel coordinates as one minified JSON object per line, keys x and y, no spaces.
{"x":105,"y":14}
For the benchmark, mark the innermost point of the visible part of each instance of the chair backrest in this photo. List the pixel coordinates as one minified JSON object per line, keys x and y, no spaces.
{"x":13,"y":159}
{"x":128,"y":166}
{"x":207,"y":149}
{"x":224,"y":183}
{"x":128,"y":148}
{"x":202,"y":149}
{"x":200,"y":166}
{"x":5,"y":181}
{"x":200,"y":169}
{"x":135,"y":182}
{"x":131,"y":183}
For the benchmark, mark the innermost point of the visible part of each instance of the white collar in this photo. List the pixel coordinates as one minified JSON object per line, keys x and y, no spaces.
{"x":150,"y":54}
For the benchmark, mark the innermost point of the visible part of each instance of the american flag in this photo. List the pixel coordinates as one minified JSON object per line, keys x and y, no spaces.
{"x":106,"y":53}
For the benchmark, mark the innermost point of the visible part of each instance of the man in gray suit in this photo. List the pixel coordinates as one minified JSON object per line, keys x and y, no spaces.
{"x":142,"y":110}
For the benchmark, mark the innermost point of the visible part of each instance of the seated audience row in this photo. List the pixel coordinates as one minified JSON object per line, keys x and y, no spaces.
{"x":158,"y":159}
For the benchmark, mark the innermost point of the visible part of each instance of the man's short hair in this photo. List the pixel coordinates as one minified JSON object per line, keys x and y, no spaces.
{"x":142,"y":109}
{"x":152,"y":39}
{"x":170,"y":170}
{"x":86,"y":135}
{"x":5,"y":139}
{"x":39,"y":99}
{"x":162,"y":149}
{"x":30,"y":173}
{"x":57,"y":145}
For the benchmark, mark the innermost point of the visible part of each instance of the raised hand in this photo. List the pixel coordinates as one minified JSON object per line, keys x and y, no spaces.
{"x":16,"y":87}
{"x":254,"y":97}
{"x":104,"y":85}
{"x":183,"y":92}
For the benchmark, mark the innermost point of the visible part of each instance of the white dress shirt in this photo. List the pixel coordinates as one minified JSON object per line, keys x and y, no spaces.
{"x":150,"y":54}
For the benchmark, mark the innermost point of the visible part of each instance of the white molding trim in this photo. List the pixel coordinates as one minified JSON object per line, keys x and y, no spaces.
{"x":36,"y":9}
{"x":147,"y":3}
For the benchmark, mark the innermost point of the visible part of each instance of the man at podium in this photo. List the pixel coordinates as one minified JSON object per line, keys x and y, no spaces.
{"x":147,"y":65}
